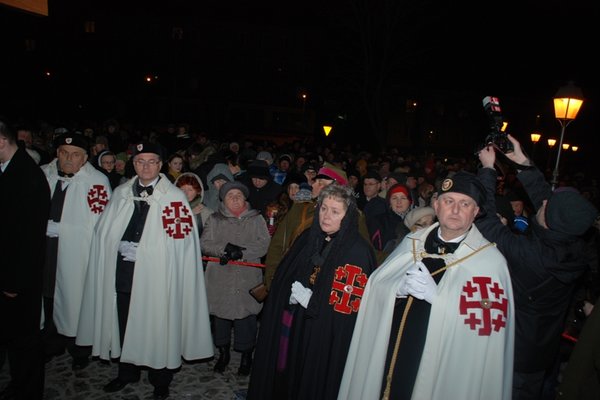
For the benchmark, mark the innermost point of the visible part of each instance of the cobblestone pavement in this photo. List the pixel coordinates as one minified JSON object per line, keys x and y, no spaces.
{"x":194,"y":381}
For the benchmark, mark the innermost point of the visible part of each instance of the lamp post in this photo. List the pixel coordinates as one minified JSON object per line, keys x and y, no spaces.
{"x":535,"y":137}
{"x":551,"y":144}
{"x":567,"y":102}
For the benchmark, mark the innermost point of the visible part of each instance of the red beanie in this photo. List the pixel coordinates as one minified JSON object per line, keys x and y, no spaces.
{"x":399,"y":188}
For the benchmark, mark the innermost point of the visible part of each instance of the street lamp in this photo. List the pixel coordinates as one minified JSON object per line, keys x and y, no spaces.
{"x":326,"y":129}
{"x":535,"y":137}
{"x":567,"y":102}
{"x":574,"y":148}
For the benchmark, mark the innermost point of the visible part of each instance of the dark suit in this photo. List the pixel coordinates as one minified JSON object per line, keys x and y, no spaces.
{"x":24,"y":208}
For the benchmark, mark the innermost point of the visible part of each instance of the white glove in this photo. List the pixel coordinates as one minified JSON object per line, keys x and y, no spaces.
{"x":300,"y":294}
{"x":402,"y":289}
{"x":128,"y":250}
{"x":52,"y":229}
{"x":420,"y":284}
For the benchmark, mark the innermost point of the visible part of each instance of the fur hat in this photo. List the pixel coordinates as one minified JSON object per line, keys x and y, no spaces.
{"x":233,"y":185}
{"x":416,"y":214}
{"x":466,"y":183}
{"x":567,"y":211}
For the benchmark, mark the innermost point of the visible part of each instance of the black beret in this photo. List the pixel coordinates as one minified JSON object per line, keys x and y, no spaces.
{"x":146,"y":147}
{"x":466,"y":183}
{"x":72,"y":139}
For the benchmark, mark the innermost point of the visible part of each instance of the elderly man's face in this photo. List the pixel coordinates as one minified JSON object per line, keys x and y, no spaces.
{"x":147,"y":167}
{"x":456,"y":213}
{"x":70,"y":158}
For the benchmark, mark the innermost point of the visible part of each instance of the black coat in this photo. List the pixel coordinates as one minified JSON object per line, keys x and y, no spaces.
{"x":319,"y":335}
{"x":544,"y":268}
{"x":25,"y":206}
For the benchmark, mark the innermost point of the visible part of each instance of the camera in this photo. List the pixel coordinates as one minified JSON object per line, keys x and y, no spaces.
{"x":497,"y":136}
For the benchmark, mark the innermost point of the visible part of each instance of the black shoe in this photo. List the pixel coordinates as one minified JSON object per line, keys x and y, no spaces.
{"x":161,"y":392}
{"x":80,"y":363}
{"x":245,"y":364}
{"x":115,"y":385}
{"x":223,"y":361}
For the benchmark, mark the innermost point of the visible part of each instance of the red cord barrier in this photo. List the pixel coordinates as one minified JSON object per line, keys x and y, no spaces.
{"x":565,"y":335}
{"x":244,"y":263}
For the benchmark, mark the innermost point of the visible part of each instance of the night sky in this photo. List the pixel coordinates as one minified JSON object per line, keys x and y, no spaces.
{"x":344,"y":54}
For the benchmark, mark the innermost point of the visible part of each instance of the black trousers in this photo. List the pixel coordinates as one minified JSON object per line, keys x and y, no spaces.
{"x":23,"y":351}
{"x":159,"y":378}
{"x":54,"y":342}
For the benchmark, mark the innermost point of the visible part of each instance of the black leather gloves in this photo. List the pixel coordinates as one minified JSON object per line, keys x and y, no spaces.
{"x":231,"y":252}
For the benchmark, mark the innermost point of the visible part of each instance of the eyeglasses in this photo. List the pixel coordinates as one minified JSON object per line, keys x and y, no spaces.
{"x":150,"y":163}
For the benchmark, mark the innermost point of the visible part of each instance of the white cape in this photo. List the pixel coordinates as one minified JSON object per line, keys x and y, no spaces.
{"x":460,"y":361}
{"x":168,"y":313}
{"x":87,"y":195}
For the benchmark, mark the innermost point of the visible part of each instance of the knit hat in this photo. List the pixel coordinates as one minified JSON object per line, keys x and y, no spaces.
{"x":567,"y":211}
{"x":304,"y":194}
{"x":259,"y":169}
{"x":416,"y":214}
{"x":371,"y":174}
{"x":399,"y":177}
{"x":309,"y":166}
{"x":466,"y":183}
{"x":265,"y":156}
{"x":399,"y":188}
{"x":233,"y":185}
{"x":219,"y":176}
{"x":122,"y":156}
{"x":286,"y":157}
{"x":72,"y":139}
{"x":331,"y":172}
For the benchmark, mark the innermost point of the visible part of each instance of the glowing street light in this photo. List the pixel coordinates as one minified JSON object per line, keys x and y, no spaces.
{"x":551,"y":142}
{"x":326,"y":129}
{"x":574,"y":148}
{"x":535,"y":137}
{"x":566,"y":146}
{"x":567,"y":102}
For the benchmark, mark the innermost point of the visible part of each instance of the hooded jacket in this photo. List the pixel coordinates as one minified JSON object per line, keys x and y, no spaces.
{"x":544,"y":268}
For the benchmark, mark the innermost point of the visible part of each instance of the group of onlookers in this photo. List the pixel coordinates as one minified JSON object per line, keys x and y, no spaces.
{"x":383,"y":273}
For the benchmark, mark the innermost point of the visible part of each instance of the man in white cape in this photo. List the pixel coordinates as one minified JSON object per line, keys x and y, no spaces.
{"x":463,"y":345}
{"x":80,"y":193}
{"x":160,"y":315}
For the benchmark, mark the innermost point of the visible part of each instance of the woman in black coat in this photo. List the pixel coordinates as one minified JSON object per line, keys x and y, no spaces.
{"x":308,"y":318}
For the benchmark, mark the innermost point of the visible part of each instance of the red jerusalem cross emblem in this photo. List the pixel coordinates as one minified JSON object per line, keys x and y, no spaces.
{"x":347,"y":288}
{"x":177,"y":220}
{"x":97,"y":198}
{"x":485,"y":305}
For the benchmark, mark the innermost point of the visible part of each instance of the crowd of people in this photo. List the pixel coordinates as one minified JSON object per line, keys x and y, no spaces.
{"x":385,"y":275}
